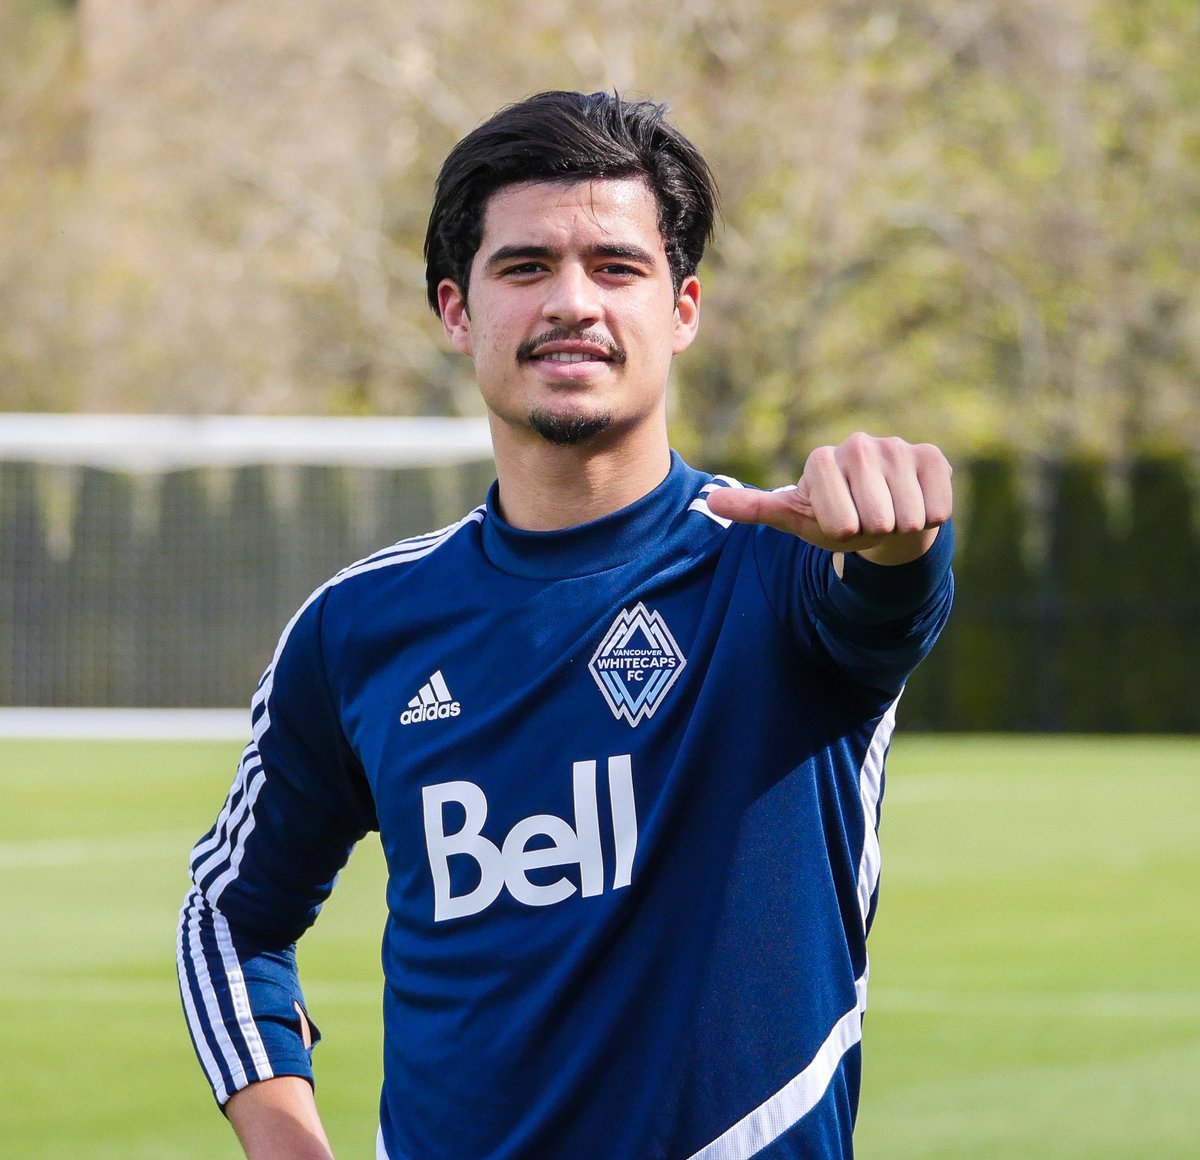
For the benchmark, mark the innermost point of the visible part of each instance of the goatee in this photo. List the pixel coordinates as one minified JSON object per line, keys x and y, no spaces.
{"x":568,"y":430}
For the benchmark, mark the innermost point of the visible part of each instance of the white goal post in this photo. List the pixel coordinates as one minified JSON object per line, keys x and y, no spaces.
{"x":150,"y":561}
{"x":170,"y":442}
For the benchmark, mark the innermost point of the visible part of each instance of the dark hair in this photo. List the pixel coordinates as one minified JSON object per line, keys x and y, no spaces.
{"x":567,"y":137}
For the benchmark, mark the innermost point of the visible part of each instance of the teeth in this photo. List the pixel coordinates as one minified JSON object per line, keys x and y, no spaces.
{"x":567,"y":357}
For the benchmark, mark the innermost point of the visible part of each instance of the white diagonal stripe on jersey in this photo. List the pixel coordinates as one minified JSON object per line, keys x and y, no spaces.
{"x":426,"y":539}
{"x":236,"y":792}
{"x":870,"y":790}
{"x":241,"y":997}
{"x":245,"y":829}
{"x":701,"y":506}
{"x":230,"y":852}
{"x":700,"y":503}
{"x":216,"y":1022}
{"x":426,"y":695}
{"x":439,"y":687}
{"x":182,"y":956}
{"x":237,"y":804}
{"x":412,"y":548}
{"x":775,"y":1115}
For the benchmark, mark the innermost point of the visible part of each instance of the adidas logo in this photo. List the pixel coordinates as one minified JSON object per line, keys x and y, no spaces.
{"x":433,"y":702}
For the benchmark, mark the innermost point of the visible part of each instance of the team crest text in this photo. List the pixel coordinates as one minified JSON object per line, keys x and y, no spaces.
{"x":636,"y":664}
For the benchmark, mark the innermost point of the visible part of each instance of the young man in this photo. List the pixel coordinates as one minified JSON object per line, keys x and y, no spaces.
{"x":621,"y":729}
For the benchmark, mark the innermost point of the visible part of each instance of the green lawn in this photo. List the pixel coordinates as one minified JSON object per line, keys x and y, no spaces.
{"x":1035,"y":980}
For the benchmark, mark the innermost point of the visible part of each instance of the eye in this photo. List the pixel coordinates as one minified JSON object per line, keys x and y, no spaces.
{"x":620,"y":270}
{"x":522,"y":270}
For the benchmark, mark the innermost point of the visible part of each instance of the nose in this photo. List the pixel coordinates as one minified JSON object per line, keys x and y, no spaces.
{"x":572,"y":298}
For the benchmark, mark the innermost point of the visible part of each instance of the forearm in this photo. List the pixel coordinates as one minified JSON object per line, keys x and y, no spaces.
{"x":277,"y":1119}
{"x":878,"y":622}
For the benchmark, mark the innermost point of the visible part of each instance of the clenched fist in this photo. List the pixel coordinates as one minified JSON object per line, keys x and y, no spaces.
{"x":882,"y":498}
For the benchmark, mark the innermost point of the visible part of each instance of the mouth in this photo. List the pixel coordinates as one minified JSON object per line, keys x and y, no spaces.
{"x":567,"y":356}
{"x":563,"y":347}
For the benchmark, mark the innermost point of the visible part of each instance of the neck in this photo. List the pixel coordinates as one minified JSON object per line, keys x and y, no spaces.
{"x":544,"y":487}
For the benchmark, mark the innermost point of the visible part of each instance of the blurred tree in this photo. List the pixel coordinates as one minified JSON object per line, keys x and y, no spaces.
{"x":997,"y":654}
{"x":971,"y":222}
{"x":1156,"y":576}
{"x":1087,"y":611}
{"x":42,"y":148}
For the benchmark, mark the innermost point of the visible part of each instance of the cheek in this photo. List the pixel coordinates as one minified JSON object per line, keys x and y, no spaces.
{"x":497,"y":334}
{"x":491,"y":347}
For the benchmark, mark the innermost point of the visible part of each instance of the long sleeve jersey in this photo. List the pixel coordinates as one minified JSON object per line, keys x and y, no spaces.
{"x":627,"y":780}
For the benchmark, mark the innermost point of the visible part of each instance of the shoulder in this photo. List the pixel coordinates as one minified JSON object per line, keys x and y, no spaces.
{"x":402,"y":556}
{"x":348,"y":592}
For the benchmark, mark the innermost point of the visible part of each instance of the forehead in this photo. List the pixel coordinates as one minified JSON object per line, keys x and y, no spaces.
{"x":615,"y":209}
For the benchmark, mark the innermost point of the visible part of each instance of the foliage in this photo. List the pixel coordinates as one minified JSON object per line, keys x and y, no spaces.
{"x":971,"y":222}
{"x":1087,"y":552}
{"x":995,"y":642}
{"x":1156,"y":669}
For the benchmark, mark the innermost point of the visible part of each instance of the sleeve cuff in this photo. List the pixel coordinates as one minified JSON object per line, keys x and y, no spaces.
{"x":877,"y":593}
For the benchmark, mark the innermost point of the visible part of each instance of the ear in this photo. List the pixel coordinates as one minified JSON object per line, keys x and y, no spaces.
{"x":452,"y":306}
{"x":687,"y":315}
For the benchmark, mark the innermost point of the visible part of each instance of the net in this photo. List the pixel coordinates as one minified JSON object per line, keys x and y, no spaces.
{"x":152,"y":560}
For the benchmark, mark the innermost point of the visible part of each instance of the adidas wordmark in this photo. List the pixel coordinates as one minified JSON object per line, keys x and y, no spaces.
{"x":433,"y":702}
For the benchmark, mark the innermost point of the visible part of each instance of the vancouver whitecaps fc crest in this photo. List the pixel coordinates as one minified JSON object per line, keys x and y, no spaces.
{"x":636,"y":664}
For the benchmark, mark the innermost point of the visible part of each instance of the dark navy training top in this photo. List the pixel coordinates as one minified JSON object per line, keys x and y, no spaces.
{"x":627,"y":778}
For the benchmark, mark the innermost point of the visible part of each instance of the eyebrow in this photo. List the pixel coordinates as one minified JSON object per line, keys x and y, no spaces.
{"x":614,"y":250}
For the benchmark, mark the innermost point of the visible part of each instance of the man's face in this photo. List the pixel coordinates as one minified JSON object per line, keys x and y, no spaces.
{"x":573,"y":319}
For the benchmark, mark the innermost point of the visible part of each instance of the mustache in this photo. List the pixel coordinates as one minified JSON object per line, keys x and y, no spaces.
{"x":529,"y":348}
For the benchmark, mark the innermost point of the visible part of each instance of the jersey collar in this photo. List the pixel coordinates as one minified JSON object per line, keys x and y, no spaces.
{"x":596,"y":546}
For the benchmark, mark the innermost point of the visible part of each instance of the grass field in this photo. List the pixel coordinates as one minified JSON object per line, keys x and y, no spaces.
{"x":1035,"y":981}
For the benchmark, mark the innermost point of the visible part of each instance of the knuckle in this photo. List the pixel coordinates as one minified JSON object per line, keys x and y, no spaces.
{"x":821,"y":457}
{"x":938,"y":513}
{"x":859,"y":447}
{"x":877,"y":526}
{"x":931,"y":456}
{"x":842,"y":528}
